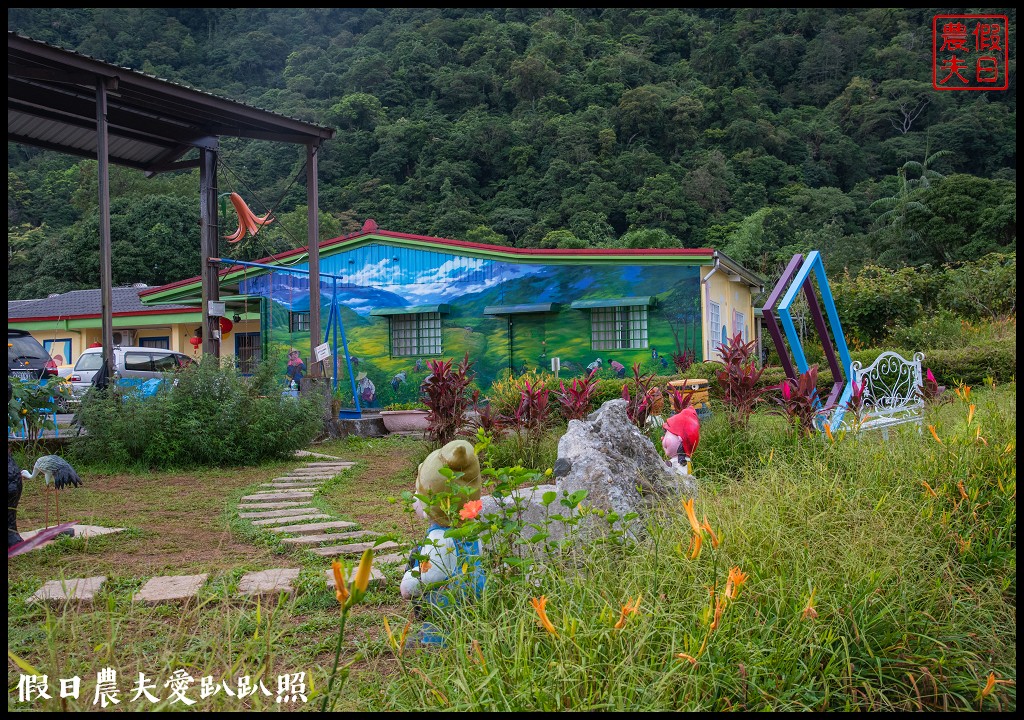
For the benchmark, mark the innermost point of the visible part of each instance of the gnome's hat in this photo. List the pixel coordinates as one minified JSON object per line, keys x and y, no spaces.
{"x":459,"y":456}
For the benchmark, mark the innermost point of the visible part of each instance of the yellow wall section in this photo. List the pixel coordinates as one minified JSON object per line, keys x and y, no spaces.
{"x":731,"y":297}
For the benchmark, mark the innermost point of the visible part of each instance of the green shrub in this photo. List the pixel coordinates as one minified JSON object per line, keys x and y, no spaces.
{"x":211,"y":416}
{"x":972,"y":364}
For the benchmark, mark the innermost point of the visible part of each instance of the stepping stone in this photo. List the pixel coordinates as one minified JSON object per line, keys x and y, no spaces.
{"x":279,"y":513}
{"x":308,"y":453}
{"x":71,"y":589}
{"x":315,"y":527}
{"x":172,"y":587}
{"x":291,"y":519}
{"x":308,"y":485}
{"x":353,"y":548}
{"x":267,"y":582}
{"x":81,"y":531}
{"x":272,"y":505}
{"x":327,"y":537}
{"x":390,"y":559}
{"x":286,"y":495}
{"x":376,"y":577}
{"x":318,"y":475}
{"x":298,"y":478}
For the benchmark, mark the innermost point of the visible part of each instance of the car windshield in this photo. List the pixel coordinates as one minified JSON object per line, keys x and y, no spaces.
{"x":24,"y":347}
{"x":89,"y":361}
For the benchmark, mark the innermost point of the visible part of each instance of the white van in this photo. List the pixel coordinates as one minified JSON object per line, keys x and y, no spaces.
{"x":129,"y":362}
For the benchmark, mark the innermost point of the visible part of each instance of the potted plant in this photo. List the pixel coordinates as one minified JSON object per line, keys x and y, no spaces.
{"x":405,"y":417}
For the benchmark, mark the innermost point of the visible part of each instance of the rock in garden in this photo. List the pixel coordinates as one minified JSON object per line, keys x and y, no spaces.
{"x":616,"y":464}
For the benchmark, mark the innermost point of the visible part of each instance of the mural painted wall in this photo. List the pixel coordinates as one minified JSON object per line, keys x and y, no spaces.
{"x":382,"y":276}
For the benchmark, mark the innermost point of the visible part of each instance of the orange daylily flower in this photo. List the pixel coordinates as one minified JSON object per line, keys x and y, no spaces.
{"x":340,"y":588}
{"x":735,"y":581}
{"x":963,"y":493}
{"x":719,"y":609}
{"x":538,"y":605}
{"x":630,"y":608}
{"x":931,"y":429}
{"x":970,"y":413}
{"x":828,"y":433}
{"x":707,"y":526}
{"x":929,"y":488}
{"x":691,"y":516}
{"x":991,"y":683}
{"x":696,"y":543}
{"x":362,"y":578}
{"x":424,"y":566}
{"x":809,"y":611}
{"x":688,"y":658}
{"x":247,"y":220}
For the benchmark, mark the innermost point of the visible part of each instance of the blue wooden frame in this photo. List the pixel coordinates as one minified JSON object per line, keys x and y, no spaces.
{"x":814,"y":264}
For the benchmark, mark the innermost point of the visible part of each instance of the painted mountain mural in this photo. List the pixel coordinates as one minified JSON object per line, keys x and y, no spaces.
{"x":468,"y":292}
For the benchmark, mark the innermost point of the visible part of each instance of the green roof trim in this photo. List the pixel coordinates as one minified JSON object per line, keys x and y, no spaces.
{"x":644,"y":300}
{"x":521,"y":309}
{"x":443,"y":308}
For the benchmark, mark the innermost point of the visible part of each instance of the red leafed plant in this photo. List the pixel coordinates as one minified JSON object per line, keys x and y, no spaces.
{"x":930,"y":391}
{"x":739,"y":379}
{"x":532,"y":413}
{"x":575,"y":399}
{"x":800,"y":400}
{"x":487,"y":418}
{"x":855,"y":405}
{"x":645,"y":399}
{"x":683,"y":360}
{"x":445,"y":392}
{"x":680,"y":400}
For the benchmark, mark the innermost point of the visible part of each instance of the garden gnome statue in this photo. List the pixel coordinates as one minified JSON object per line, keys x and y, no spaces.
{"x":452,"y":567}
{"x":682,"y":433}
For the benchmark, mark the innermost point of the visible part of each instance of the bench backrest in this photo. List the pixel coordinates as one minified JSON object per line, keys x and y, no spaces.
{"x":893,"y":384}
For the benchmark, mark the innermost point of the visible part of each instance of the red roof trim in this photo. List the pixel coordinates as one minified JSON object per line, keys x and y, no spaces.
{"x":447,"y":242}
{"x":128,"y":313}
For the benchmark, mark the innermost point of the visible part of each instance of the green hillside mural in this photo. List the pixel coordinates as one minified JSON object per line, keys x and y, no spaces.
{"x":379,"y":276}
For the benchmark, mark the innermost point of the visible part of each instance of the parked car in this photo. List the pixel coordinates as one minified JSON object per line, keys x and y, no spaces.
{"x":26,"y":358}
{"x":130,"y":363}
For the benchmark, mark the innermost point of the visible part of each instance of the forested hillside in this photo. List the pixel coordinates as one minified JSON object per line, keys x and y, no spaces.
{"x":759,"y":132}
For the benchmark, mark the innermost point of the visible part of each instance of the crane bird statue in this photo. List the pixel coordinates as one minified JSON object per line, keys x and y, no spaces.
{"x":56,"y":472}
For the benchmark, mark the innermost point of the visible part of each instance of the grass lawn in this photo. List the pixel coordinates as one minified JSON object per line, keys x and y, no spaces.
{"x":911,"y":586}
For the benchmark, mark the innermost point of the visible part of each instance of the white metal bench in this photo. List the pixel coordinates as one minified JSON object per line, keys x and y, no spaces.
{"x":892,"y":394}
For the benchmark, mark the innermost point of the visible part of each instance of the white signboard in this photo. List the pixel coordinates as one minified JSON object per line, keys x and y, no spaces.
{"x":215,"y":308}
{"x":322,"y":352}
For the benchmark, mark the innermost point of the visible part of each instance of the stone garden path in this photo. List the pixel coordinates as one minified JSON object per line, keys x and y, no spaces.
{"x":282,"y":505}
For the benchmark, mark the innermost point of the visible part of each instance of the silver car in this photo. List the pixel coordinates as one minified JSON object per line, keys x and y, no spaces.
{"x":141,"y":363}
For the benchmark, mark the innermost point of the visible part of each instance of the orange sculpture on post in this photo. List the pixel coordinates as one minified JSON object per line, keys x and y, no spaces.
{"x":247,"y":220}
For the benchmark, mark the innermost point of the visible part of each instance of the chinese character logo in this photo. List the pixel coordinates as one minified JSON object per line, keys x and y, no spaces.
{"x":970,"y":52}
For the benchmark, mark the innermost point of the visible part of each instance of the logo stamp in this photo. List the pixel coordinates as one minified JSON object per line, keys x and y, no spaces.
{"x":970,"y":52}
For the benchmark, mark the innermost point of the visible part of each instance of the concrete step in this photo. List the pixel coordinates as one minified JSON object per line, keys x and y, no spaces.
{"x":273,"y":505}
{"x":314,"y":527}
{"x":268,"y":582}
{"x":280,"y":495}
{"x":170,"y":588}
{"x":328,"y":537}
{"x":305,"y":510}
{"x":292,"y":485}
{"x":81,"y":590}
{"x":354,"y":548}
{"x":313,"y":515}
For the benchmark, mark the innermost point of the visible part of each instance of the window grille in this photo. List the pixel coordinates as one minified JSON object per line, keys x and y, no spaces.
{"x":615,"y":328}
{"x":416,"y":334}
{"x":298,"y":322}
{"x":247,"y":351}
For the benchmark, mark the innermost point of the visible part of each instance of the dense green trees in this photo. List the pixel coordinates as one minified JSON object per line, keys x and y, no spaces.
{"x":761,"y":132}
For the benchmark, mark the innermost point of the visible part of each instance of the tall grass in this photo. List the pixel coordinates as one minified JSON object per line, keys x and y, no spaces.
{"x":866,"y":589}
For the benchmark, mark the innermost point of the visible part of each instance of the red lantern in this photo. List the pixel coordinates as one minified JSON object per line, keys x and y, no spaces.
{"x":225,"y":325}
{"x":195,"y":343}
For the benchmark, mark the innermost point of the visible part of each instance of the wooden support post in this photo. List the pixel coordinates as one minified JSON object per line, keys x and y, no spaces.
{"x":313,"y":236}
{"x":106,"y":261}
{"x":209,"y":246}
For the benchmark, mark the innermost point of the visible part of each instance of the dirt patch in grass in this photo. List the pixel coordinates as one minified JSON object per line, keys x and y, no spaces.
{"x":177,"y":523}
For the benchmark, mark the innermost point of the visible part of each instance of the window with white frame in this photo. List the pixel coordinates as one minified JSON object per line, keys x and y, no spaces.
{"x":739,"y":324}
{"x":298,"y":322}
{"x":415,"y":334}
{"x":714,"y":322}
{"x":615,"y":328}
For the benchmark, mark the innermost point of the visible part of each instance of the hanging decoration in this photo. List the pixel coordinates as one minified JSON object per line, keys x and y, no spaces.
{"x":247,"y":220}
{"x":225,"y":325}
